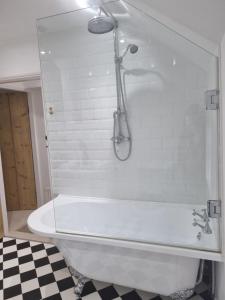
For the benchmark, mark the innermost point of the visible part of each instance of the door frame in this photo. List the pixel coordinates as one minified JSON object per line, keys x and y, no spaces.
{"x":24,"y":84}
{"x":43,"y":192}
{"x":3,"y":200}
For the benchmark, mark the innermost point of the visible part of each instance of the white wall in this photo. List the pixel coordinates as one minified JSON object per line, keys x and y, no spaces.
{"x":19,"y":54}
{"x":19,"y":58}
{"x":18,"y":41}
{"x":166,"y":110}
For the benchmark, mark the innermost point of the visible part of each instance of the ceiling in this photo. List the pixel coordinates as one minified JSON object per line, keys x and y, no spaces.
{"x":205,"y":17}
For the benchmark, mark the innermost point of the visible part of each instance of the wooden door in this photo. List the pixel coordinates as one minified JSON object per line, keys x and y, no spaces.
{"x":8,"y":155}
{"x":23,"y":150}
{"x":24,"y":186}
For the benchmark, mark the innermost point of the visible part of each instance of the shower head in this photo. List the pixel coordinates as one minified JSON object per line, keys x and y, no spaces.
{"x":101,"y":24}
{"x":132,"y":48}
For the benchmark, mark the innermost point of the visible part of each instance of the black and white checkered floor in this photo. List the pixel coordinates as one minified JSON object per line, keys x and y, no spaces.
{"x":33,"y":270}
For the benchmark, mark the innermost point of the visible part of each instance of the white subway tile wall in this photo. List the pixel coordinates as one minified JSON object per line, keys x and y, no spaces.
{"x":165,"y":85}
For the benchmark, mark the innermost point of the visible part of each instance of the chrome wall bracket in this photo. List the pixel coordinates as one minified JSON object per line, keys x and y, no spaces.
{"x":214,"y":208}
{"x":212,"y":99}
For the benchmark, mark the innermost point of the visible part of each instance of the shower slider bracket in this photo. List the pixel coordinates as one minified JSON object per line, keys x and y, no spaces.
{"x":212,"y":99}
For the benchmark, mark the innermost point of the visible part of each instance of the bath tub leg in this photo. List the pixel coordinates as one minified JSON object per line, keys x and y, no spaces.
{"x":81,"y":280}
{"x":182,"y":295}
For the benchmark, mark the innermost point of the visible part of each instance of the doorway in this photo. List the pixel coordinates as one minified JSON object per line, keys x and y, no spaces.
{"x":25,"y":154}
{"x":17,"y":158}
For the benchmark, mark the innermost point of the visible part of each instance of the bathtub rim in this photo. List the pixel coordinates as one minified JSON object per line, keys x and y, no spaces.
{"x":49,"y":231}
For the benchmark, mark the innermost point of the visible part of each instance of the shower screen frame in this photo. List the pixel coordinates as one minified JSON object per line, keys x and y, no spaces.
{"x":168,"y":248}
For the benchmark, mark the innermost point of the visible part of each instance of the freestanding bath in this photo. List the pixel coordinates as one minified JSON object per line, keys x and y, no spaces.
{"x":119,"y":260}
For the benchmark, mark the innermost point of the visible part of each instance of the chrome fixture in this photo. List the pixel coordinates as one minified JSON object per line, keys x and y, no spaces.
{"x":121,"y":128}
{"x":205,"y":228}
{"x":133,"y":49}
{"x":81,"y":281}
{"x":102,"y":24}
{"x":212,"y":99}
{"x":200,"y":272}
{"x":204,"y":216}
{"x":204,"y":219}
{"x":214,"y":208}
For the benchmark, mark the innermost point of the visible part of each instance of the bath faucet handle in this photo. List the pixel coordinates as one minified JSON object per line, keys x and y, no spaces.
{"x":203,"y":216}
{"x":205,"y":228}
{"x":195,"y":223}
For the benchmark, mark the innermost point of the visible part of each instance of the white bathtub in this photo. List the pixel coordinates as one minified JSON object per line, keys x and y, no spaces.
{"x":108,"y":240}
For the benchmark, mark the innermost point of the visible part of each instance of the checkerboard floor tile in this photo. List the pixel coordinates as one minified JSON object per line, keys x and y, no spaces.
{"x":34,"y":271}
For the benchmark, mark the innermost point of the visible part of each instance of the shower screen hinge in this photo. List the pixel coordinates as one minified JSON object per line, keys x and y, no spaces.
{"x":212,"y":99}
{"x":214,"y":208}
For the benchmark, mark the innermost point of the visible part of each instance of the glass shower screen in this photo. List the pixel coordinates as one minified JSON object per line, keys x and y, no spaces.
{"x":173,"y":165}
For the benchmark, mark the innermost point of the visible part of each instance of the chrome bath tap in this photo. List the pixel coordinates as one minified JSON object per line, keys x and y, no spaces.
{"x":204,"y":216}
{"x":205,"y":219}
{"x":205,"y":228}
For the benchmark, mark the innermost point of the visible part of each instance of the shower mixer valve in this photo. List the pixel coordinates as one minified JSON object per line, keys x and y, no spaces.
{"x":119,"y":139}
